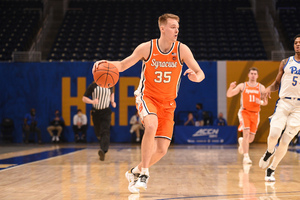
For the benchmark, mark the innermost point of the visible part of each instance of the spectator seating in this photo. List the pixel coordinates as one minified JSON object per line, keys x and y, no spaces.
{"x":103,"y":29}
{"x":19,"y":24}
{"x":289,"y":18}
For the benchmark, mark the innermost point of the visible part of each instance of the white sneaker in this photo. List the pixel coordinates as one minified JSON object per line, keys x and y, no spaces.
{"x":270,"y":175}
{"x":247,"y":160}
{"x":142,"y":182}
{"x":57,"y":139}
{"x":246,"y":168}
{"x":132,"y":178}
{"x":265,"y":159}
{"x":240,"y":149}
{"x":137,"y":139}
{"x":53,"y":138}
{"x":134,"y":197}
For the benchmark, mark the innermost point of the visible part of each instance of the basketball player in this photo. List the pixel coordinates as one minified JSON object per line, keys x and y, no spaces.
{"x":251,"y":93}
{"x":163,"y":59}
{"x":287,"y":112}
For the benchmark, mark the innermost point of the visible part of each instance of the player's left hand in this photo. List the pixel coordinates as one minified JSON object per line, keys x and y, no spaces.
{"x":191,"y":75}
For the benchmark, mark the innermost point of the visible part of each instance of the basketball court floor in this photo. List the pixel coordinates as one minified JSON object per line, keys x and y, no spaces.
{"x":73,"y":171}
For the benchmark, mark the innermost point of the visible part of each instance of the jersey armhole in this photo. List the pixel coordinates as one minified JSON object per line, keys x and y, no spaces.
{"x":178,"y":50}
{"x":244,"y":87}
{"x":151,"y":49}
{"x":286,"y":64}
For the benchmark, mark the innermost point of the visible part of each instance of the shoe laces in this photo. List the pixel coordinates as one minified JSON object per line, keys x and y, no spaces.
{"x":143,"y":178}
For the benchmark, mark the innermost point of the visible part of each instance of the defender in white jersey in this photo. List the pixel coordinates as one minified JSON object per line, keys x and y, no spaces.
{"x":286,"y":117}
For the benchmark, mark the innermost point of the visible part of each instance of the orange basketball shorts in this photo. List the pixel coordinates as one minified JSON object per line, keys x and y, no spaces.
{"x":248,"y":120}
{"x":163,"y":109}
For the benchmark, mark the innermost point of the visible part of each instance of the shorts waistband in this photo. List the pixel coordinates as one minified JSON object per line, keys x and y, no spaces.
{"x":292,"y":98}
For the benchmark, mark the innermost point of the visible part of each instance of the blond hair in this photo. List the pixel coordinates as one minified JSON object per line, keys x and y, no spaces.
{"x":163,"y":18}
{"x":253,"y":69}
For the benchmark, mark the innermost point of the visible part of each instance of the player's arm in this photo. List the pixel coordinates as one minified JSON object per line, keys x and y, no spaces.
{"x":275,"y":85}
{"x":194,"y":72}
{"x":141,"y":52}
{"x":263,"y":101}
{"x":234,"y":90}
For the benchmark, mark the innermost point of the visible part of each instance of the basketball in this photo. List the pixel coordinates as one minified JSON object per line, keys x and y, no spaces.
{"x":106,"y":75}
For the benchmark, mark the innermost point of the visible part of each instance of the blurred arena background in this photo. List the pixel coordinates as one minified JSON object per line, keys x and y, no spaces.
{"x":47,"y":49}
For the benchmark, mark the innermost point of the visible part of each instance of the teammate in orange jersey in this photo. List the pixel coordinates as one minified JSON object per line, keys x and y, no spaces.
{"x":163,"y":59}
{"x":251,"y":100}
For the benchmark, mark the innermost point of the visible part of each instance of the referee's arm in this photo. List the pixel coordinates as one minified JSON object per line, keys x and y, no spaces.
{"x":112,"y":100}
{"x":88,"y":93}
{"x":89,"y":101}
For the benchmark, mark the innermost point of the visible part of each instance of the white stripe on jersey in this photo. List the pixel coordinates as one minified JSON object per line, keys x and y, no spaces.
{"x":103,"y":94}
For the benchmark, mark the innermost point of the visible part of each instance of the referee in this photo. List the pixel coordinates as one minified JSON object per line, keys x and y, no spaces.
{"x":101,"y":113}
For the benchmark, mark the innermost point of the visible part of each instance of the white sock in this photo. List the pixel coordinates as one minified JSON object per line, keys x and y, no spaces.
{"x":246,"y":155}
{"x":145,"y":171}
{"x":136,"y":170}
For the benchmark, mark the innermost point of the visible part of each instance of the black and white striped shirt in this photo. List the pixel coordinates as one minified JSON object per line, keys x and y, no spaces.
{"x":103,"y":94}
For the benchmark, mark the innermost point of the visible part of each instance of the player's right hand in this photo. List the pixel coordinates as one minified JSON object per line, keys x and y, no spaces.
{"x":233,"y":84}
{"x":96,"y":64}
{"x":267,"y":94}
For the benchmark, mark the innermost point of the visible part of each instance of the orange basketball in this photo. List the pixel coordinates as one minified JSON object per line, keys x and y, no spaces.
{"x":106,"y":75}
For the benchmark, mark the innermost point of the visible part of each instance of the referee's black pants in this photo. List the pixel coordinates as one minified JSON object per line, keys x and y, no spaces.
{"x":101,"y":120}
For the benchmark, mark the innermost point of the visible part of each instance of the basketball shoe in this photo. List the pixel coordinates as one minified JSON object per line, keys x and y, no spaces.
{"x":247,"y":160}
{"x":240,"y":149}
{"x":101,"y":155}
{"x":142,"y":182}
{"x":132,"y":178}
{"x":265,"y":159}
{"x":270,"y":175}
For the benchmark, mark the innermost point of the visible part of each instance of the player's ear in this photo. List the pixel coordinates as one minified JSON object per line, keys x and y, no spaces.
{"x":161,"y":28}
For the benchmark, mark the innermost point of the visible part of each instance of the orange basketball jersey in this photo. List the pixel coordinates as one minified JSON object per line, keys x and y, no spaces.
{"x":249,"y":96}
{"x":161,"y":72}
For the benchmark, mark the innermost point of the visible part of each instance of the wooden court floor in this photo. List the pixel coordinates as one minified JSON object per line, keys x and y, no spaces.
{"x":73,"y":171}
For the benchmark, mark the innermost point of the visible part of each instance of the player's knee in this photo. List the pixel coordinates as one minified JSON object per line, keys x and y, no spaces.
{"x":291,"y":132}
{"x":275,"y":133}
{"x":162,"y":151}
{"x":285,"y":140}
{"x":151,"y":127}
{"x":251,"y":140}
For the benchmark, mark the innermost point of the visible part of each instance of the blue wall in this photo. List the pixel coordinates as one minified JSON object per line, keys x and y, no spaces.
{"x":39,"y":85}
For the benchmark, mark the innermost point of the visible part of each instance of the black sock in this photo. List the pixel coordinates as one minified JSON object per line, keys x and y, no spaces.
{"x":269,"y":171}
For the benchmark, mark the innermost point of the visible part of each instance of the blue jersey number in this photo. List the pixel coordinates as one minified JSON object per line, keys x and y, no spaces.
{"x":294,"y":80}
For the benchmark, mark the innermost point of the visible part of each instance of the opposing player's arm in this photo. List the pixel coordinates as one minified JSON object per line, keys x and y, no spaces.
{"x":194,"y":72}
{"x":234,"y":90}
{"x":275,"y":85}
